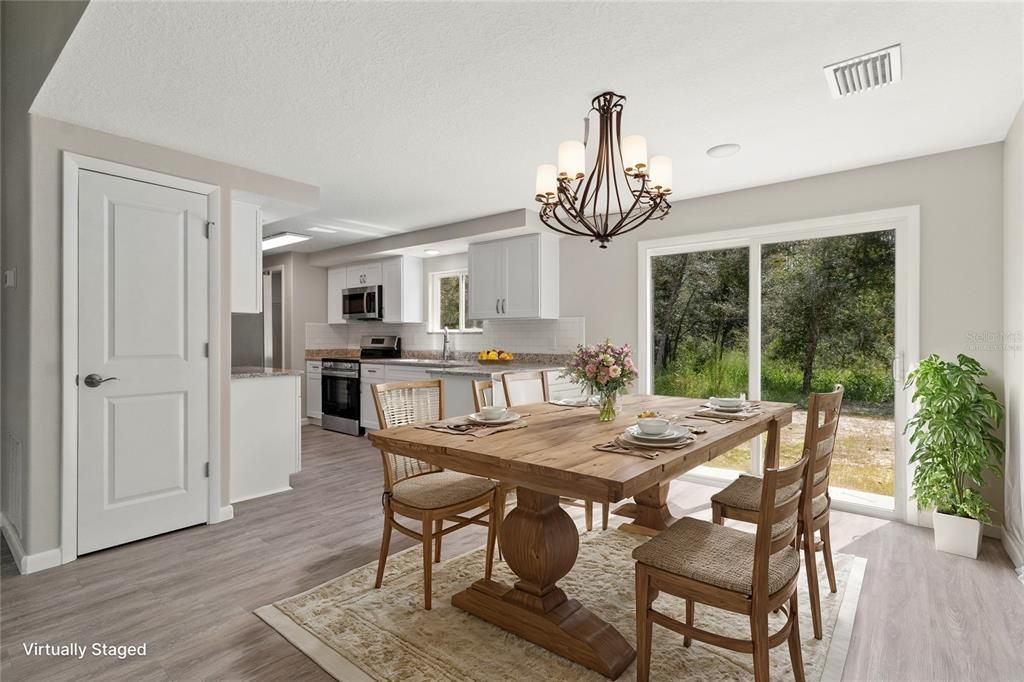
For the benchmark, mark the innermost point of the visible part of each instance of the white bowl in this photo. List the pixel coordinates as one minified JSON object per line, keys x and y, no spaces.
{"x":492,"y":412}
{"x":652,"y":426}
{"x":727,"y":402}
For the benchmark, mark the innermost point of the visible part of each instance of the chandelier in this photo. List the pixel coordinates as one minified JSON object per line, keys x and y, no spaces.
{"x":621,"y":192}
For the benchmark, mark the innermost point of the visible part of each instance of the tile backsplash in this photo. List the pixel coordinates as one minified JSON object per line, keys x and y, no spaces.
{"x":518,"y":336}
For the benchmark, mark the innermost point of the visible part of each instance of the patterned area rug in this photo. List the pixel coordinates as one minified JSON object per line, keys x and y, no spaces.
{"x":355,"y":632}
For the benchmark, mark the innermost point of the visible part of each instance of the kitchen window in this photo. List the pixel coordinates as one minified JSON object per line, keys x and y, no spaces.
{"x":449,"y":300}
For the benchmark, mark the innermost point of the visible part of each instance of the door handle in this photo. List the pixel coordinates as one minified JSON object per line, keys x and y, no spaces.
{"x":497,"y":305}
{"x":502,"y":306}
{"x":94,"y":380}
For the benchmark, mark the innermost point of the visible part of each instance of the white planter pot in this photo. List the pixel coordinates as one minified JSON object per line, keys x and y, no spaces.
{"x":957,"y":535}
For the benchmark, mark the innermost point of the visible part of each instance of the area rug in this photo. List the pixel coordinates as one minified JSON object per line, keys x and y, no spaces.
{"x":357,"y":633}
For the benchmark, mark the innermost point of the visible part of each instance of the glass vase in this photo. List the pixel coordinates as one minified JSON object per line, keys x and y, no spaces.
{"x":608,"y":406}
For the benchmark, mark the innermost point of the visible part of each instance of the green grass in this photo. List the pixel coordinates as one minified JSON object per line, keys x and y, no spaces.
{"x":864,"y":458}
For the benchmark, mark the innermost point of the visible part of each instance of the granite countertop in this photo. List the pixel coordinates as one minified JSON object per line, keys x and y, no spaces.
{"x":488,"y":370}
{"x":258,"y":372}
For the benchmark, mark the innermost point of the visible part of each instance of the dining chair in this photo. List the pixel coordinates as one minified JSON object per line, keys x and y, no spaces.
{"x":752,"y":574}
{"x":420,"y":491}
{"x":524,"y":388}
{"x":483,"y":394}
{"x":740,"y":500}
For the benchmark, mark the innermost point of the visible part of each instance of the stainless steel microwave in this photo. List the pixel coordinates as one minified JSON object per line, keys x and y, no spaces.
{"x":363,"y":303}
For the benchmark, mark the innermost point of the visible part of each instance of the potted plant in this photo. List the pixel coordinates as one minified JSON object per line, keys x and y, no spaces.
{"x":953,"y":435}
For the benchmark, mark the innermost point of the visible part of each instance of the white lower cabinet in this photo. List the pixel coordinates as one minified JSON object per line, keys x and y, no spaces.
{"x":266,"y":439}
{"x":369,"y":375}
{"x":314,"y":396}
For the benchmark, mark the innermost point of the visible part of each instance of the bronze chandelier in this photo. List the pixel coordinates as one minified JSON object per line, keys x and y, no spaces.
{"x":621,"y":192}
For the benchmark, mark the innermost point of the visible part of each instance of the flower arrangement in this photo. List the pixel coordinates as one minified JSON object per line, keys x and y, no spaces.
{"x":605,"y":370}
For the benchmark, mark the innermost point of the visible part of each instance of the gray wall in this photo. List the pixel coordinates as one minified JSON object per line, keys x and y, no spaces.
{"x":1013,"y":321}
{"x":305,"y":295}
{"x":33,"y":34}
{"x":960,"y":195}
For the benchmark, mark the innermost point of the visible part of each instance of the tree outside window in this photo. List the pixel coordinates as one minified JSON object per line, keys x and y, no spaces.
{"x":449,"y":302}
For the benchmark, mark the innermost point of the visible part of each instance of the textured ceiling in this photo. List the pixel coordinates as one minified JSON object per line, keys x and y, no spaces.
{"x":414,"y":114}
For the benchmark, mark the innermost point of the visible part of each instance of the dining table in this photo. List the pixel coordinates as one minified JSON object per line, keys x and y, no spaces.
{"x":552,"y":457}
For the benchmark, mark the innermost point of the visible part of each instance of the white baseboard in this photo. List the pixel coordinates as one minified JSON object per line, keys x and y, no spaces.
{"x":223,"y":514}
{"x":28,"y":563}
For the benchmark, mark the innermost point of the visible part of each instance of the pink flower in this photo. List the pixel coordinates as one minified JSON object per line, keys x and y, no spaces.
{"x":591,"y":370}
{"x":602,"y":379}
{"x":614,"y":371}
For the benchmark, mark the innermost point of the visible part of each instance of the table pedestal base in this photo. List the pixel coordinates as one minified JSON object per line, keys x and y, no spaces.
{"x":649,"y":511}
{"x":540,"y":543}
{"x":569,"y":629}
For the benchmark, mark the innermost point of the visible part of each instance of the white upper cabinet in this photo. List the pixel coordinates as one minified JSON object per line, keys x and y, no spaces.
{"x":515,"y":279}
{"x":364,"y":274}
{"x":402,"y":278}
{"x":336,"y":283}
{"x":246,"y":258}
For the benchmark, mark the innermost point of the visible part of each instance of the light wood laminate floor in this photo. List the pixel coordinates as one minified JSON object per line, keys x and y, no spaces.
{"x":190,"y":594}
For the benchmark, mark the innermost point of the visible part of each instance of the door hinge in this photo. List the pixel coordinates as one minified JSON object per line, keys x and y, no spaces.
{"x":209,"y":228}
{"x":206,"y":470}
{"x":206,"y":349}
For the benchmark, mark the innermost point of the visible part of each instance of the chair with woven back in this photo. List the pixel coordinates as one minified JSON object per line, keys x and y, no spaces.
{"x":417,"y":490}
{"x":741,"y":499}
{"x":523,"y":388}
{"x":726,"y":568}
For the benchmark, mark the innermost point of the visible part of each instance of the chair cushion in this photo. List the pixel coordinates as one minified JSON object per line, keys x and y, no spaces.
{"x":716,"y":555}
{"x":745,"y":493}
{"x":440,"y":489}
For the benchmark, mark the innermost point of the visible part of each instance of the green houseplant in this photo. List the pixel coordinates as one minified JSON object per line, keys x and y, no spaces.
{"x":954,"y":441}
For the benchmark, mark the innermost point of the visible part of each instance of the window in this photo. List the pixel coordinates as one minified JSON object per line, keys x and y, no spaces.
{"x":449,"y":300}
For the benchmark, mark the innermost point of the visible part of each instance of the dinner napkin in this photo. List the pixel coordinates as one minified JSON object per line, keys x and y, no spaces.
{"x":464,"y":427}
{"x":751,"y":411}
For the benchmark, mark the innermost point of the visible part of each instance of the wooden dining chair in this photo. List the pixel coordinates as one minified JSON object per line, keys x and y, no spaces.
{"x":420,"y":491}
{"x":726,"y":568}
{"x":483,"y":394}
{"x":524,"y":388}
{"x":741,"y":499}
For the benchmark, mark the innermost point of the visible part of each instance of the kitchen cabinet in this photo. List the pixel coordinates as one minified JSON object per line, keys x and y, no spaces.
{"x":266,"y":438}
{"x":336,"y":284}
{"x":514,"y":279}
{"x":368,"y":376}
{"x":246,"y":258}
{"x":403,"y":289}
{"x":314,"y":395}
{"x":363,"y":274}
{"x":401,"y":278}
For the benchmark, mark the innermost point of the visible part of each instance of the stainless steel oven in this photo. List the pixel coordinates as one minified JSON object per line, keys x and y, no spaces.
{"x":339,"y":386}
{"x":363,"y":303}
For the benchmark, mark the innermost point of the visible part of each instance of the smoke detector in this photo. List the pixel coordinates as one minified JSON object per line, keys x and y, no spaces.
{"x":866,"y":72}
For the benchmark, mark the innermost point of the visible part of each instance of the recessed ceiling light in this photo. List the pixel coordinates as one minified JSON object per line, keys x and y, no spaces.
{"x":321,"y":229}
{"x":721,"y":151}
{"x":283,"y":239}
{"x":431,"y":252}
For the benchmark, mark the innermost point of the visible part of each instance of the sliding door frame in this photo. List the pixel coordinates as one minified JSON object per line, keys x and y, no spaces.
{"x":904,"y":221}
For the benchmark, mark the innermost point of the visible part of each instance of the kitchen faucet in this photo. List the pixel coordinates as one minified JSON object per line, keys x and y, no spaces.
{"x":444,"y":348}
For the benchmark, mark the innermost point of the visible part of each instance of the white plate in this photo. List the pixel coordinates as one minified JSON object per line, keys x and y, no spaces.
{"x":673,"y":434}
{"x":729,"y":410}
{"x":573,"y":402}
{"x":480,"y":419}
{"x":655,"y":444}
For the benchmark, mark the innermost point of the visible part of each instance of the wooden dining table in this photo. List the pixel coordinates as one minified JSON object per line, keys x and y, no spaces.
{"x":554,"y":457}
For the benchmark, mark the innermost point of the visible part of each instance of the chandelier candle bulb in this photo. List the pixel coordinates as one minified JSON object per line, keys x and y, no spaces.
{"x":547,"y":183}
{"x":661,"y":174}
{"x":571,"y":159}
{"x":634,"y":154}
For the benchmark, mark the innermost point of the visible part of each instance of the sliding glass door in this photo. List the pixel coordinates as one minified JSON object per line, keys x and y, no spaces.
{"x":701,"y":330}
{"x":777,"y":313}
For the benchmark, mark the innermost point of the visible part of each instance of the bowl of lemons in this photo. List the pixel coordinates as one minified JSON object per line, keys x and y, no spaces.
{"x":493,"y":356}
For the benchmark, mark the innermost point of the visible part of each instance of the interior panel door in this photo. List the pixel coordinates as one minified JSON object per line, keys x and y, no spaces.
{"x":143,"y":322}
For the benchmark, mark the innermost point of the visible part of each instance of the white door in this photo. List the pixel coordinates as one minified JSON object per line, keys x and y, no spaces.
{"x":143,"y":323}
{"x":486,"y":280}
{"x":522,"y":267}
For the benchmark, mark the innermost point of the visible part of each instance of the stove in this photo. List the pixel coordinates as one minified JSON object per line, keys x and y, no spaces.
{"x":340,"y":383}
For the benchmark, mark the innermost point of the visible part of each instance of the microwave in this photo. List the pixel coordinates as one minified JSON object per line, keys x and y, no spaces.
{"x":362,"y":303}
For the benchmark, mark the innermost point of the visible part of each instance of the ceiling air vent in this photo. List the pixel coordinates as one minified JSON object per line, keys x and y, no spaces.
{"x":871,"y":70}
